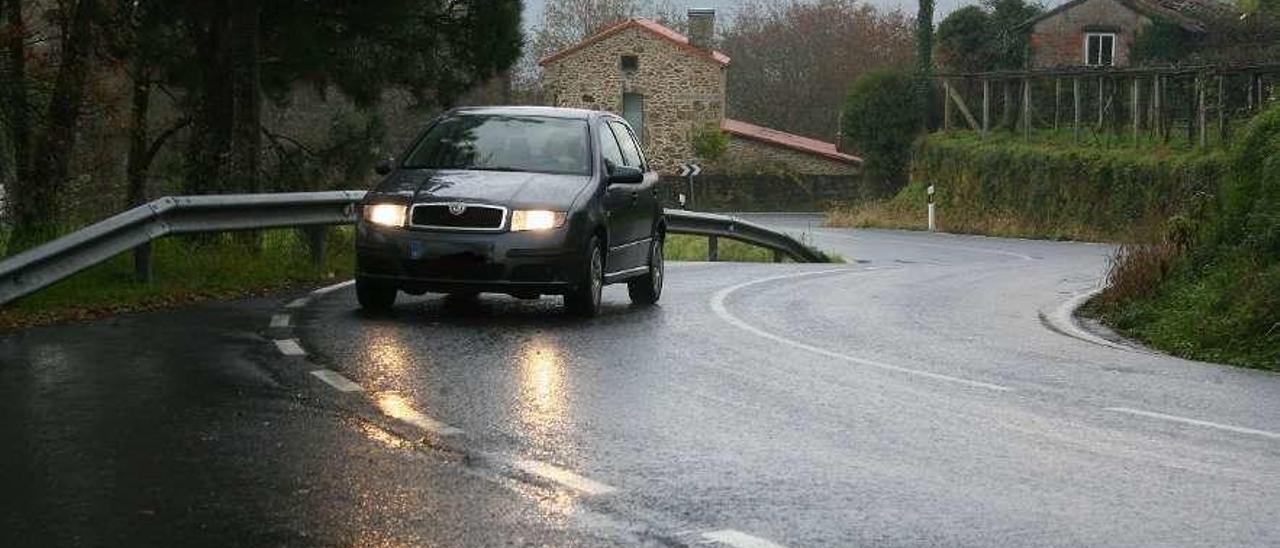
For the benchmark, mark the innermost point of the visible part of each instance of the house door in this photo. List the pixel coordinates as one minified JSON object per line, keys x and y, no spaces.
{"x":633,"y":111}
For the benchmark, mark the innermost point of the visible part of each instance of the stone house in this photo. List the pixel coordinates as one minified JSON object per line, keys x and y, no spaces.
{"x":1102,"y":33}
{"x":670,"y":88}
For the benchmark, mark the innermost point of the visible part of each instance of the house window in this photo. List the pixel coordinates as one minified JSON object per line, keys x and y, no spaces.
{"x":630,"y":63}
{"x":1099,"y":49}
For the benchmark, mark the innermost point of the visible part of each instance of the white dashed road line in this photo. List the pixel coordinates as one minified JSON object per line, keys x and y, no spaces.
{"x":563,"y":477}
{"x":280,"y":321}
{"x":332,"y":378}
{"x":398,"y":407}
{"x":290,"y":347}
{"x":738,"y":539}
{"x":717,"y":306}
{"x":332,"y":288}
{"x":1196,"y":422}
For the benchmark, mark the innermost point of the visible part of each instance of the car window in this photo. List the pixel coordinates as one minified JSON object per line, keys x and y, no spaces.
{"x":609,"y":146}
{"x":630,"y":152}
{"x":493,"y":142}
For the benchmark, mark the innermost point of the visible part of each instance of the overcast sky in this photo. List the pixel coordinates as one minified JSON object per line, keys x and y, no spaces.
{"x":725,"y":8}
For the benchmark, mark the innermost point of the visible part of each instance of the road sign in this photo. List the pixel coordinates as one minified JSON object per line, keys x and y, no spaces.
{"x":689,"y":170}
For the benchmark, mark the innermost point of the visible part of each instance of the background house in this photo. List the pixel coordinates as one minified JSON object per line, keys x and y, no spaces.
{"x":1101,"y":33}
{"x":671,"y":88}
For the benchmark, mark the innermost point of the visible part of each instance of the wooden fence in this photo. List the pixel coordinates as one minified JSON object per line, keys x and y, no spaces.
{"x":1155,"y":103}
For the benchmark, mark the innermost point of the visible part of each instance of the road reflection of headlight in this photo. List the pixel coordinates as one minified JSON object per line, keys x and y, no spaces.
{"x":543,"y":399}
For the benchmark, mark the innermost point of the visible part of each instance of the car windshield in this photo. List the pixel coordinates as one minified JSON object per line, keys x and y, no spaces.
{"x":504,"y":143}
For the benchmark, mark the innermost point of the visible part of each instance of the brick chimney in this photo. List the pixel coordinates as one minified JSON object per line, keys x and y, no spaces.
{"x":702,"y":27}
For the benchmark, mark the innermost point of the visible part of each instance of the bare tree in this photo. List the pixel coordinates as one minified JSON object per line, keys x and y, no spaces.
{"x":794,"y":62}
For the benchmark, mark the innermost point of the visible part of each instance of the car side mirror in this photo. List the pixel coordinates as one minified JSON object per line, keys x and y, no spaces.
{"x":626,"y":175}
{"x":384,"y":167}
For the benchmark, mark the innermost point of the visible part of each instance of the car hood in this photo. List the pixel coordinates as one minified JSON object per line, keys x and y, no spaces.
{"x":512,"y":189}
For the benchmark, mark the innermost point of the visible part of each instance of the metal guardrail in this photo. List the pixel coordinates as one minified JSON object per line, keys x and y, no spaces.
{"x":715,"y":225}
{"x":40,"y":267}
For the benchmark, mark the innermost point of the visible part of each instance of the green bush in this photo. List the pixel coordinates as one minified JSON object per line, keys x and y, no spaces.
{"x":710,"y":143}
{"x":1220,"y":299}
{"x":881,"y":119}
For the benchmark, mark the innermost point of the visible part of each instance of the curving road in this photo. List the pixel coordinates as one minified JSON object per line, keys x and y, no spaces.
{"x":921,"y":395}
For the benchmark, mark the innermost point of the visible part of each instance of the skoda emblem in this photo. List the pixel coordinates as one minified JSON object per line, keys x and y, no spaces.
{"x":457,"y":208}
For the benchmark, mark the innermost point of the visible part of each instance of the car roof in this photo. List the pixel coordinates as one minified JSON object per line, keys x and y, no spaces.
{"x":551,"y":112}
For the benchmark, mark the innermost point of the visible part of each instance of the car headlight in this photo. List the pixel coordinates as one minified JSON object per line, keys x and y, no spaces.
{"x":385,"y":214}
{"x":536,"y":219}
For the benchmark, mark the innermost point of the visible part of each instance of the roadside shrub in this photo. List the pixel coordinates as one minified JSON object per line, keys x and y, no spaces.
{"x":710,"y":143}
{"x":1211,"y":289}
{"x":881,"y":120}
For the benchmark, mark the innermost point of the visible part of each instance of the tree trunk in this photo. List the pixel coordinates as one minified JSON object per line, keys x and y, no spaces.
{"x":138,"y":162}
{"x":17,"y":102}
{"x":246,"y":135}
{"x":210,"y":145}
{"x":17,"y":105}
{"x":38,"y":216}
{"x":246,"y":89}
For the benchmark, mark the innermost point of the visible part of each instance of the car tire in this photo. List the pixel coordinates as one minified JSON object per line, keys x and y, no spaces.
{"x":375,"y":295}
{"x":584,"y":299}
{"x":647,"y":289}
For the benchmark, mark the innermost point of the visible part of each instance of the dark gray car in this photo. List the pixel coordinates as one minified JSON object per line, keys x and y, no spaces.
{"x":527,"y":201}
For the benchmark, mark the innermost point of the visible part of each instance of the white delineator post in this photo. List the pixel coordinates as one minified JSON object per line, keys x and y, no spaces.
{"x":933,"y":224}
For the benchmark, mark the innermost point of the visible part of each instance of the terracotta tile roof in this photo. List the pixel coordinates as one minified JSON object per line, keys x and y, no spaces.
{"x":1191,"y":15}
{"x":648,"y":25}
{"x":788,"y":140}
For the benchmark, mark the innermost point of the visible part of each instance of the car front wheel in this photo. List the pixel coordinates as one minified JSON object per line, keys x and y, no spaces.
{"x":584,"y":299}
{"x":375,"y":295}
{"x":647,"y":289}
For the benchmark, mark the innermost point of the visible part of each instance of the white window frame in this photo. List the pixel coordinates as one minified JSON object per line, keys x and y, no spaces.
{"x":1114,"y":39}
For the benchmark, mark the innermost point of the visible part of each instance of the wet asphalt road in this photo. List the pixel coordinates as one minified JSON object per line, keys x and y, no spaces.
{"x":915,"y":397}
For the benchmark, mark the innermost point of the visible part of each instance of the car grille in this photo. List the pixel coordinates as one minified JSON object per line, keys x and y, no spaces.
{"x":474,"y":217}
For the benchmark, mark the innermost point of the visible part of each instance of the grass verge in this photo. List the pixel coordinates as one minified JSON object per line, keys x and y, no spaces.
{"x":186,"y":270}
{"x":685,"y":247}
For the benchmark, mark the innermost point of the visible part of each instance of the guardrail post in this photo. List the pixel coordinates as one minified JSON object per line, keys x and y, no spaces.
{"x":713,"y":248}
{"x":142,"y":264}
{"x":318,"y":243}
{"x":777,"y":256}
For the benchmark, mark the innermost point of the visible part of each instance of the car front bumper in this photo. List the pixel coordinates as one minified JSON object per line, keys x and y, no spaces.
{"x":518,"y":263}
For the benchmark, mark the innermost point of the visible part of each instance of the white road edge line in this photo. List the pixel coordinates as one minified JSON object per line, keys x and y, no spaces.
{"x":739,"y":539}
{"x":563,"y":477}
{"x":717,"y":306}
{"x":332,"y":288}
{"x":290,"y":347}
{"x":298,"y":303}
{"x":332,"y":378}
{"x":280,"y":320}
{"x":1196,"y":422}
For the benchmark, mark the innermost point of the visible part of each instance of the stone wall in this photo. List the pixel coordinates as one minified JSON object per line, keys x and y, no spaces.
{"x":743,"y":153}
{"x":1058,"y":40}
{"x":682,"y":91}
